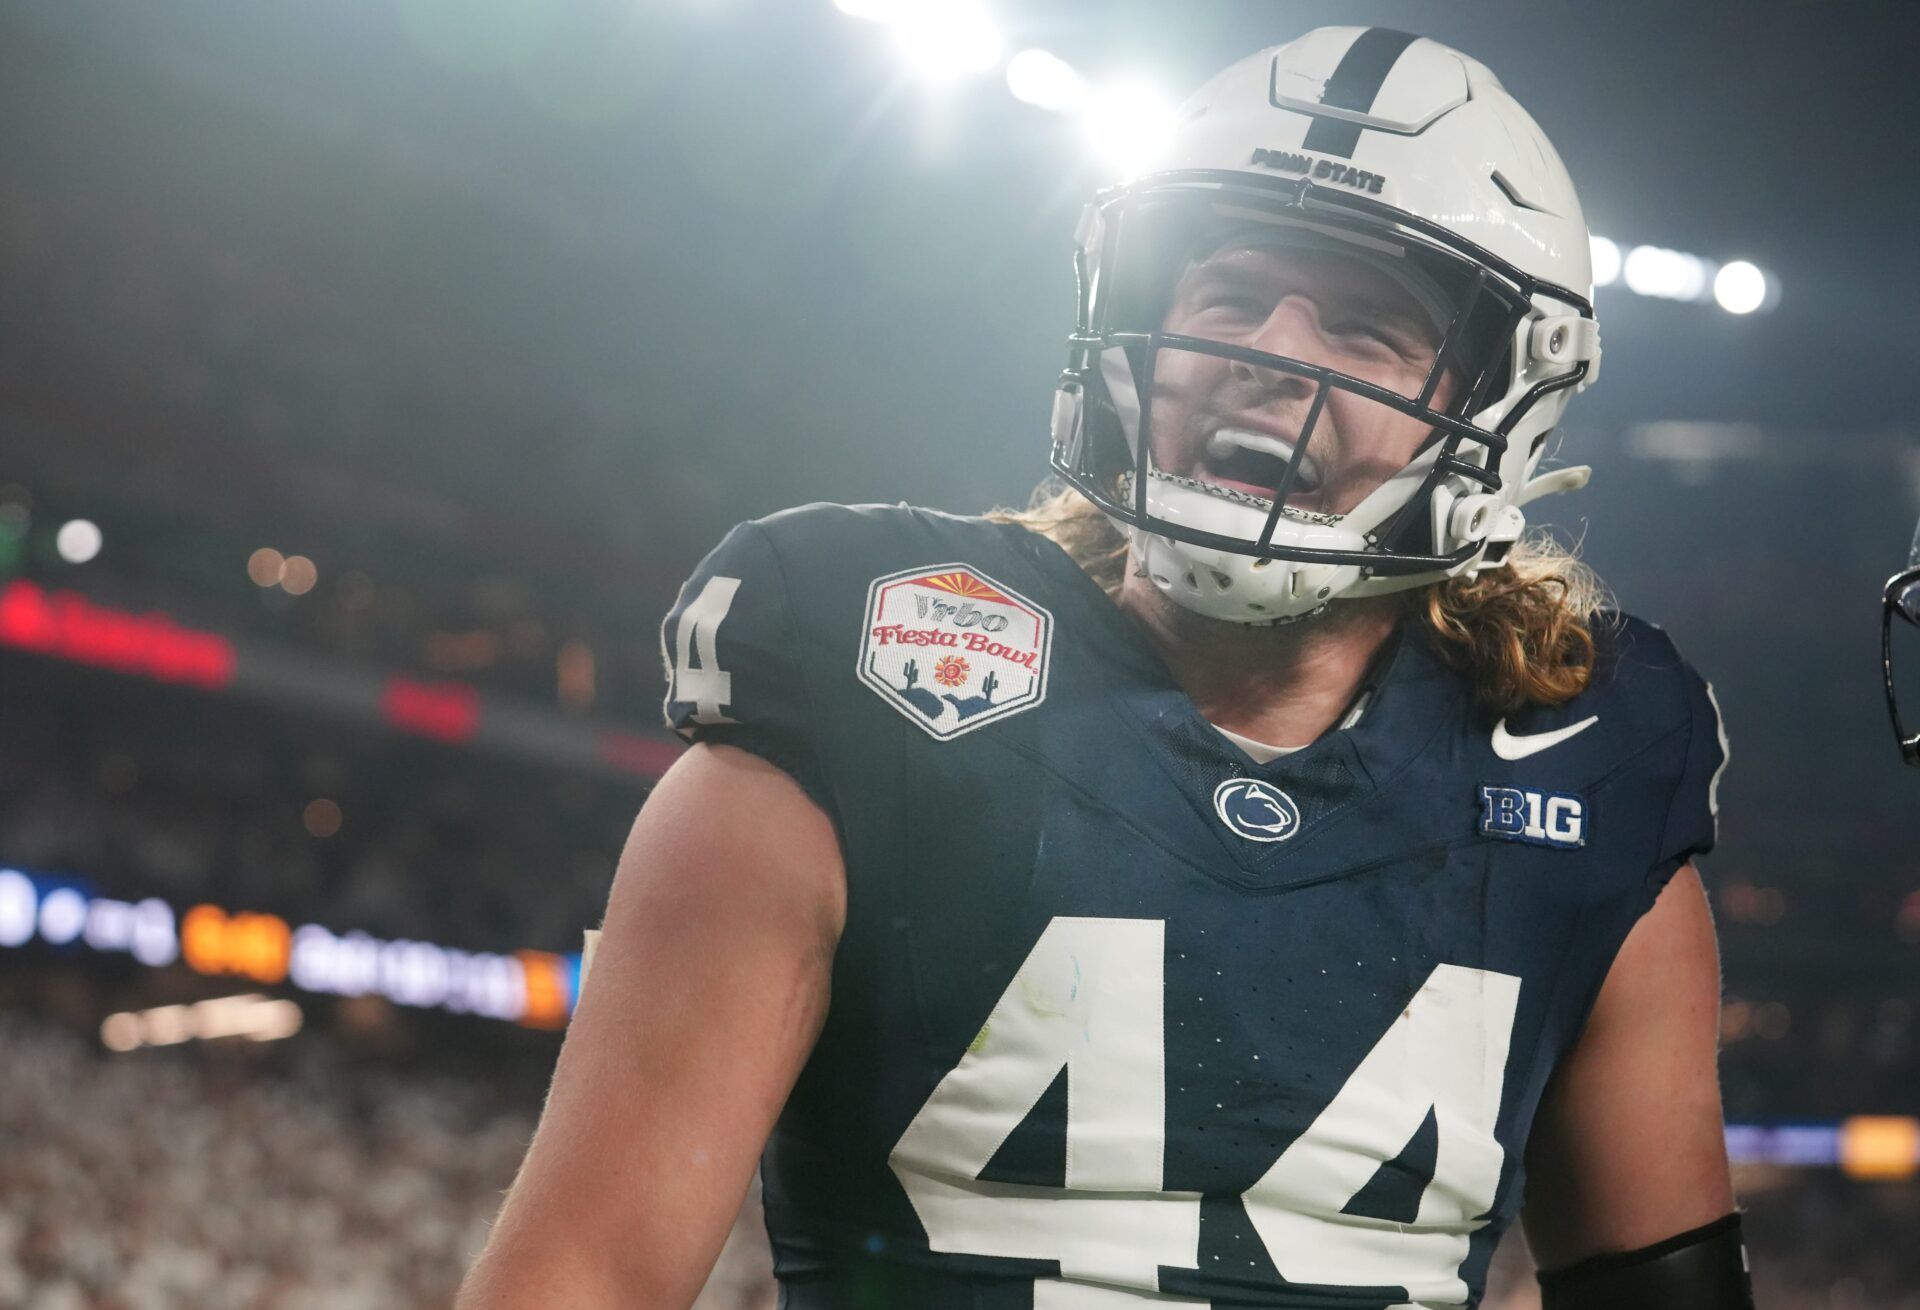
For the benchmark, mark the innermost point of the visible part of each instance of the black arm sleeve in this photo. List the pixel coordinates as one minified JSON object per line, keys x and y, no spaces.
{"x":1704,"y":1268}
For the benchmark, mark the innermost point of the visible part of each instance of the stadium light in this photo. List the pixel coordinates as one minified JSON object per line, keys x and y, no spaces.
{"x":298,"y":575}
{"x":63,"y":915}
{"x":878,"y":11}
{"x":19,"y":908}
{"x":536,"y":989}
{"x":1739,"y":287}
{"x":77,"y":541}
{"x":946,"y":39}
{"x":1606,"y":261}
{"x":1666,"y":274}
{"x":254,"y":1017}
{"x":321,"y":817}
{"x":265,"y":566}
{"x":1129,"y":125}
{"x":1046,"y":81}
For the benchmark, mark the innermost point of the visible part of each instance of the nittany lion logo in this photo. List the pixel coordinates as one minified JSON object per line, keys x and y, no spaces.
{"x":1256,"y":810}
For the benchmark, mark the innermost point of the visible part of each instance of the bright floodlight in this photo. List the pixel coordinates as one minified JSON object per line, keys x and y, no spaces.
{"x":878,"y":10}
{"x":1668,"y":274}
{"x":1130,"y":127}
{"x":63,"y":913}
{"x":945,"y":39}
{"x":1606,"y":261}
{"x":1044,"y":79}
{"x":1740,"y":287}
{"x":77,"y":541}
{"x":19,"y":908}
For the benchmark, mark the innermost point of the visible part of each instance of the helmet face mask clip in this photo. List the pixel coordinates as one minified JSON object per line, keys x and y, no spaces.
{"x":1899,"y":612}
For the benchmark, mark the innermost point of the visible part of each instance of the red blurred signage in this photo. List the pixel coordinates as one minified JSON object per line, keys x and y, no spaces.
{"x":444,"y":711}
{"x":68,"y":626}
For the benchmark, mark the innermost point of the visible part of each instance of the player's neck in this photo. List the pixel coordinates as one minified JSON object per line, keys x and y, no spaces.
{"x":1281,"y":685}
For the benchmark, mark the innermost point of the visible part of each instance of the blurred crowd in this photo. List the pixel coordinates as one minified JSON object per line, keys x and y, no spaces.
{"x":210,"y":1178}
{"x":1819,"y":1051}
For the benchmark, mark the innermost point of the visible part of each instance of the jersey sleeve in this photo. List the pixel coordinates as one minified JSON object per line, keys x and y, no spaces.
{"x":735,"y":673}
{"x":1693,"y":818}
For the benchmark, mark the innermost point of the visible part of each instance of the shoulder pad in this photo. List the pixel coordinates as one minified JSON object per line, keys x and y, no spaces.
{"x":729,"y":650}
{"x":1672,"y":725}
{"x":760,"y":647}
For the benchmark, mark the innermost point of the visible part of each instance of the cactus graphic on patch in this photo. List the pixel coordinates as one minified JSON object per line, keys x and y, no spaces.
{"x":952,"y":649}
{"x":919,"y":697}
{"x":932,"y":705}
{"x":973,"y":705}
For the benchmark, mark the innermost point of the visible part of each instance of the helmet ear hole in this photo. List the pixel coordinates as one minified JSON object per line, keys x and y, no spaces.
{"x":1498,"y":380}
{"x":1221,"y":580}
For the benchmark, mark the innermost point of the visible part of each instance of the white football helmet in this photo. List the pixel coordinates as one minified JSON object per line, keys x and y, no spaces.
{"x":1379,"y":147}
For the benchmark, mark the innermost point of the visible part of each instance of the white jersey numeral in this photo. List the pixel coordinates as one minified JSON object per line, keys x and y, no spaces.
{"x":1090,"y":996}
{"x":708,"y":686}
{"x":1445,"y":1054}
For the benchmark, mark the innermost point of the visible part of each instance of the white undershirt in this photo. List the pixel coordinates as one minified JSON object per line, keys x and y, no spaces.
{"x":1261,"y":752}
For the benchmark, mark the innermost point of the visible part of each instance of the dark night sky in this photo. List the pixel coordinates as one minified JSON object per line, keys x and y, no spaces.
{"x":721,"y":249}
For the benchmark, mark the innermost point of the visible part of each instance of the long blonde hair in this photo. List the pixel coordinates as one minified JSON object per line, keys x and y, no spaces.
{"x":1521,"y":633}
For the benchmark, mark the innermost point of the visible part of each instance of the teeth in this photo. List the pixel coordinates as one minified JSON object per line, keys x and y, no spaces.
{"x":1225,"y":441}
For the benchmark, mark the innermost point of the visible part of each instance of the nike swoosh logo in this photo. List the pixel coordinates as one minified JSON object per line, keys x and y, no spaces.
{"x":1509,"y":747}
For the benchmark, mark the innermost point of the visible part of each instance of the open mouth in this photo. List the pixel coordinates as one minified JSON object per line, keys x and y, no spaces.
{"x":1256,"y":463}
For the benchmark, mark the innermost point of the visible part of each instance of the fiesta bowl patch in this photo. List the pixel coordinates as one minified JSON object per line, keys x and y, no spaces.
{"x":952,"y":649}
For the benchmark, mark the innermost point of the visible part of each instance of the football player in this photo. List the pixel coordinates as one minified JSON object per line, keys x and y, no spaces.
{"x":1901,"y":601}
{"x":1253,"y":875}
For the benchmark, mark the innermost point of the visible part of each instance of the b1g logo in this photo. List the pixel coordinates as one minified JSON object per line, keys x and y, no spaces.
{"x":952,"y":649}
{"x":1543,"y":818}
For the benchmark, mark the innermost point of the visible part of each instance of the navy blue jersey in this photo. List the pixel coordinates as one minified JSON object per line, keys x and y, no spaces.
{"x":1122,"y":1017}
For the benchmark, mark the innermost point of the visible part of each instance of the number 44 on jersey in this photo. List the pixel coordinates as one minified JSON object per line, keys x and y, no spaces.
{"x":1090,"y":996}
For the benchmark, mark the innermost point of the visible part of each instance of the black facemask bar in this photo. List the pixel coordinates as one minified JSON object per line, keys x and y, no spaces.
{"x":1900,"y":602}
{"x":1100,"y":462}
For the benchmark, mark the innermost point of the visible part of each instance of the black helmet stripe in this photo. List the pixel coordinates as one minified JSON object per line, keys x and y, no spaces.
{"x":1353,"y":86}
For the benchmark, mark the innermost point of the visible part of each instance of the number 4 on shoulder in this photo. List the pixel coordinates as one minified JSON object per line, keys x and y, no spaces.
{"x":707,"y":686}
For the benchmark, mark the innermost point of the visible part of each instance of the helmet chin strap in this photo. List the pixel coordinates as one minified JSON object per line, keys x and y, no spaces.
{"x":1124,"y":484}
{"x":1241,"y":586}
{"x":1139,"y":570}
